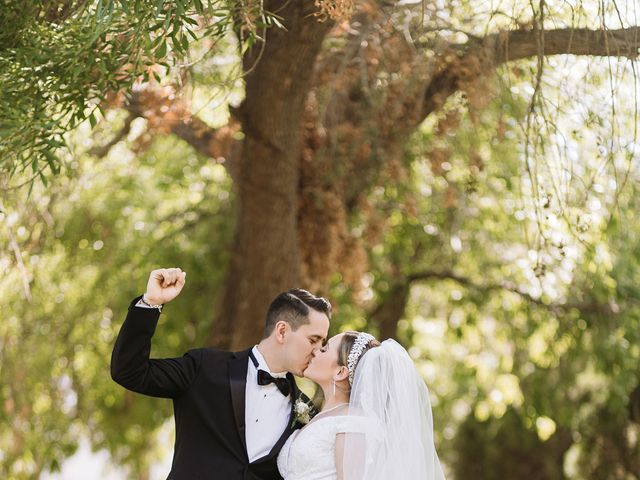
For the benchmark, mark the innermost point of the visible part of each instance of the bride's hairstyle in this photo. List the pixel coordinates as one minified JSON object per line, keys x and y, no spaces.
{"x":346,"y":345}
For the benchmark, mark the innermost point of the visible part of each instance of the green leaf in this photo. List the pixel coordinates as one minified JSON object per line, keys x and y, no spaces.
{"x":161,"y":51}
{"x":192,"y":34}
{"x":184,"y":42}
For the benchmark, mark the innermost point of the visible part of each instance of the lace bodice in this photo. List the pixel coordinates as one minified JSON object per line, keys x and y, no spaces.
{"x":309,"y":453}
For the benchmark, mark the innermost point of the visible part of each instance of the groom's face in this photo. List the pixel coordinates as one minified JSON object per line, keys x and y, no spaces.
{"x":303,"y":342}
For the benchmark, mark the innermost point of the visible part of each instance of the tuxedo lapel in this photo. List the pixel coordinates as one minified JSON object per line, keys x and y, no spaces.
{"x":295,"y":393}
{"x":238,"y":386}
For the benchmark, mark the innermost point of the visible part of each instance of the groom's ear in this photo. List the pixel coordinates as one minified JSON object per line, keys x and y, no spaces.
{"x":280,"y":330}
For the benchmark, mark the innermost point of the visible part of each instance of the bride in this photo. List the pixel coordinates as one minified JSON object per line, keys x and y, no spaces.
{"x":376,"y":421}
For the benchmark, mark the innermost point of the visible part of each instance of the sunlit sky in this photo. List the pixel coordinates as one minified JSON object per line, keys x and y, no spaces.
{"x":87,"y":464}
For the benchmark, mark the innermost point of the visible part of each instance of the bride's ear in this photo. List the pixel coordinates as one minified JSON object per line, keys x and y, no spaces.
{"x":341,"y":374}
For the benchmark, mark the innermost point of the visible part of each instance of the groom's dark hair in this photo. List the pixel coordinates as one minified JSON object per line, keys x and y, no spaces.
{"x":293,"y":307}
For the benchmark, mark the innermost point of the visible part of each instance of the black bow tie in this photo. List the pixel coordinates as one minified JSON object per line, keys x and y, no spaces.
{"x":265,"y":378}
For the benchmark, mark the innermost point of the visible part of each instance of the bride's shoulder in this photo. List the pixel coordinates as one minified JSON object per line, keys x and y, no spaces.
{"x":352,"y":422}
{"x":354,"y":411}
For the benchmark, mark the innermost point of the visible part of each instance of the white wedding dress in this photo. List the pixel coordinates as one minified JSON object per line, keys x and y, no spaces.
{"x":387,"y":427}
{"x":309,"y":453}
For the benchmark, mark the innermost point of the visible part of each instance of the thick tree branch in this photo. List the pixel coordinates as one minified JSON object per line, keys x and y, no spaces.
{"x":167,"y":114}
{"x":467,"y":282}
{"x":481,"y":56}
{"x":511,"y":287}
{"x":102,"y":150}
{"x":219,"y":144}
{"x":516,"y":45}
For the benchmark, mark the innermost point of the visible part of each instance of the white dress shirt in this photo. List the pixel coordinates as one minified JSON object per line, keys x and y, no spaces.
{"x":266,"y":410}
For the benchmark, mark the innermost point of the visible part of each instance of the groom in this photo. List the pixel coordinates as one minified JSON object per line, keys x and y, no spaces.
{"x":233,"y":411}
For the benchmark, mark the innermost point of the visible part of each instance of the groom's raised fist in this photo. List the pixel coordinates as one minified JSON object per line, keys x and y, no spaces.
{"x":164,"y":285}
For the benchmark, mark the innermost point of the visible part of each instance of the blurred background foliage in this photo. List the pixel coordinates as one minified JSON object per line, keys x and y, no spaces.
{"x":504,"y":237}
{"x":61,"y":59}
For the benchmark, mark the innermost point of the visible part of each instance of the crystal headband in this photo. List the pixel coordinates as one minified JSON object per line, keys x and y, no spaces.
{"x":359,"y":345}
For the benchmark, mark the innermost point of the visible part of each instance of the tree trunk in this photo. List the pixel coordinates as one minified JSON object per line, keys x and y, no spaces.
{"x":265,"y":257}
{"x":391,"y":310}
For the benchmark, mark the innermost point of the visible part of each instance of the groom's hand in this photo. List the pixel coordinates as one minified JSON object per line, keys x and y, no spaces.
{"x":164,"y":285}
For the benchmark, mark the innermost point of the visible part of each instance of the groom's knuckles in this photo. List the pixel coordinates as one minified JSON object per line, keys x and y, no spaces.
{"x":158,"y":277}
{"x":170,"y":275}
{"x":167,"y":277}
{"x":157,"y":273}
{"x":177,"y":276}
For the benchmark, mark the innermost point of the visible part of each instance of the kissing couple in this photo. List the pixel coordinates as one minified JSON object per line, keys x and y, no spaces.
{"x":240,"y":415}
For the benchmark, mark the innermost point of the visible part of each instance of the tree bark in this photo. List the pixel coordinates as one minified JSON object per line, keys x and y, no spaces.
{"x":391,"y":310}
{"x":634,"y":405}
{"x":265,"y":255}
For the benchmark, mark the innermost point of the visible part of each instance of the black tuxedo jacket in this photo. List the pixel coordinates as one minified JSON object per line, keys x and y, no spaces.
{"x":207,"y":386}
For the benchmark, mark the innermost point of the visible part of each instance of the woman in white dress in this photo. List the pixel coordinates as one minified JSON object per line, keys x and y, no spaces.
{"x":376,"y":421}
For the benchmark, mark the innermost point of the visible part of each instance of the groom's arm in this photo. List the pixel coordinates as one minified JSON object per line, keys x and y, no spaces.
{"x":131,"y":366}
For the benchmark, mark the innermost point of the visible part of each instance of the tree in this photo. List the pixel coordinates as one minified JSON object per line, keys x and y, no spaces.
{"x":353,"y":109}
{"x":374,"y":89}
{"x":347,"y":120}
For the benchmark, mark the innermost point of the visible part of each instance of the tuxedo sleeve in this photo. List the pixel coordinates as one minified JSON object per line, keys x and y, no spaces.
{"x":132,"y":368}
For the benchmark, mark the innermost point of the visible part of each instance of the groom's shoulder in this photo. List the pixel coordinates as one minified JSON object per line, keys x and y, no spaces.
{"x":211,"y":352}
{"x":218,"y":354}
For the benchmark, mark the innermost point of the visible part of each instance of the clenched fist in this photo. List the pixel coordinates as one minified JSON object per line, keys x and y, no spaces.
{"x":164,"y":285}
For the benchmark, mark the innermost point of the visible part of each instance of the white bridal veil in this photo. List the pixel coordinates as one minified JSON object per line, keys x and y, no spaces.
{"x":390,"y":397}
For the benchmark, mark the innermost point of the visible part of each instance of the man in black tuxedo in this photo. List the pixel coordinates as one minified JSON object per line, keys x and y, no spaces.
{"x":233,"y":411}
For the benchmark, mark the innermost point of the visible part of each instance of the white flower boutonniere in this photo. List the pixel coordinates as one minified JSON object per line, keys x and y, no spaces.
{"x":301,"y":412}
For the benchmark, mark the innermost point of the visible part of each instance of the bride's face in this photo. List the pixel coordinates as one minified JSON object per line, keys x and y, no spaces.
{"x":324,"y":364}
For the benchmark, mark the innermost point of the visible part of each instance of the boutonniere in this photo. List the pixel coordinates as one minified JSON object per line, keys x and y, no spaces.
{"x":302,"y":411}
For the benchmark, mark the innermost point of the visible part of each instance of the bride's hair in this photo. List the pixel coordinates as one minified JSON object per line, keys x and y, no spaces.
{"x":346,"y":344}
